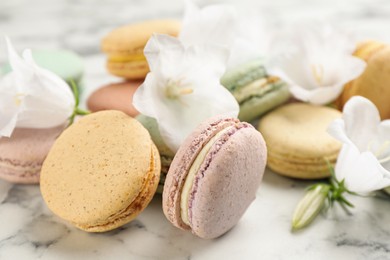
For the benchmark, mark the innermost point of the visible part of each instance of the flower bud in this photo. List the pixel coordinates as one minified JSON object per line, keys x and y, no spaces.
{"x":309,"y":207}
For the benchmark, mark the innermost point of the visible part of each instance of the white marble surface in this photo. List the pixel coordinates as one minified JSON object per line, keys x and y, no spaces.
{"x":28,"y":230}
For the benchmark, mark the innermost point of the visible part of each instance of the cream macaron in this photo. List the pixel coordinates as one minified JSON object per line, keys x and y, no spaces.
{"x":297,"y":141}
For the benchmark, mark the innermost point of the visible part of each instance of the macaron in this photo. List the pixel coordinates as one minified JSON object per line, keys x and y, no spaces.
{"x":297,"y":141}
{"x":116,"y":96}
{"x":166,"y":155}
{"x":255,"y":90}
{"x":373,"y":83}
{"x":22,"y":155}
{"x":66,"y":64}
{"x":101,"y":172}
{"x":124,"y":46}
{"x":214,"y":177}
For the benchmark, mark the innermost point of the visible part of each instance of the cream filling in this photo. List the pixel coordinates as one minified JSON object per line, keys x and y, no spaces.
{"x":256,"y":88}
{"x":127,"y":58}
{"x":187,"y":187}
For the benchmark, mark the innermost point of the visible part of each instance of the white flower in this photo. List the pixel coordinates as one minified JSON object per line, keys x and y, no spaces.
{"x":182,"y":88}
{"x":316,"y":63}
{"x":210,"y":25}
{"x":251,"y":40}
{"x":364,"y":160}
{"x":242,"y":32}
{"x":32,"y":97}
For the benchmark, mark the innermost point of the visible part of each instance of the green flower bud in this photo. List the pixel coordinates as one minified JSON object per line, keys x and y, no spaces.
{"x":310,"y":206}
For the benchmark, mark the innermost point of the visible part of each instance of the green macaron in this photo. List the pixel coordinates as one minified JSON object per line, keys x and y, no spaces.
{"x":166,"y":154}
{"x":255,"y":90}
{"x":66,"y":64}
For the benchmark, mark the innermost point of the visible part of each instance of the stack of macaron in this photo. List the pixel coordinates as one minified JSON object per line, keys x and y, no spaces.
{"x":104,"y":170}
{"x":124,"y":47}
{"x":255,"y":90}
{"x":297,"y":141}
{"x":374,"y":82}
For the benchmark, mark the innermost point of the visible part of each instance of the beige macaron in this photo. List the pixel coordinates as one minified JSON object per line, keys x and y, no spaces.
{"x":297,"y":141}
{"x":374,"y":82}
{"x":101,"y":172}
{"x":124,"y":46}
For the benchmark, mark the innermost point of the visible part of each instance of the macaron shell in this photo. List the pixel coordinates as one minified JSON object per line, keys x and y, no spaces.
{"x":227,"y":182}
{"x":259,"y":105}
{"x":22,"y":155}
{"x":138,"y":205}
{"x":182,"y":162}
{"x":130,"y":39}
{"x":373,"y":83}
{"x":97,"y":169}
{"x":300,"y":129}
{"x":129,"y":70}
{"x":118,"y":96}
{"x":300,"y":170}
{"x":297,"y":141}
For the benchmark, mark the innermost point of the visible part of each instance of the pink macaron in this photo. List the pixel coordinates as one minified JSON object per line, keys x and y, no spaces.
{"x":214,"y":177}
{"x":22,"y":155}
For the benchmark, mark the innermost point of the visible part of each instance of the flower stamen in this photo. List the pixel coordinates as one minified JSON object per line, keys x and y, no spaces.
{"x":18,"y":98}
{"x":175,"y":89}
{"x":318,"y":73}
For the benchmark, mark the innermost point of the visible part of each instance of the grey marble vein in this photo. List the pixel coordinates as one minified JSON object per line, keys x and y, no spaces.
{"x":28,"y":230}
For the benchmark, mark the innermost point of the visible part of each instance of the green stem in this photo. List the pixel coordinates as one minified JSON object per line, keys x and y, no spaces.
{"x":76,"y":111}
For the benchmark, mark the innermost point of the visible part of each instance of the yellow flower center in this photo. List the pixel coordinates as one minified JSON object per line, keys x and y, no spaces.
{"x":176,"y":89}
{"x":18,"y":98}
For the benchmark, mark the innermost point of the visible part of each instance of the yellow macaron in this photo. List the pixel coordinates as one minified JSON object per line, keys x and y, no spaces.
{"x":101,"y":172}
{"x":374,"y":82}
{"x":124,"y":46}
{"x":297,"y":142}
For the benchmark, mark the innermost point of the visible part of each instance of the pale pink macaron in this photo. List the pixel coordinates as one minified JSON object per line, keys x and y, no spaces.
{"x":22,"y":155}
{"x":214,"y":177}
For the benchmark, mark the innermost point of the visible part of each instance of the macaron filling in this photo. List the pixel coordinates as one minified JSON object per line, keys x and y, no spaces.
{"x":189,"y":181}
{"x":127,"y":58}
{"x":257,"y":88}
{"x":243,"y":75}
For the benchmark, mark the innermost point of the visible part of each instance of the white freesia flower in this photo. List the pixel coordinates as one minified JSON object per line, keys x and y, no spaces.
{"x":316,"y":63}
{"x":364,"y":160}
{"x":32,"y":97}
{"x":182,"y":88}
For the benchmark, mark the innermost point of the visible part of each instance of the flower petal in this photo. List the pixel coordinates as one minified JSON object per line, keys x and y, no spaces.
{"x":337,"y":130}
{"x":210,"y":25}
{"x":361,"y":172}
{"x":8,"y":115}
{"x":40,"y":99}
{"x":315,"y":67}
{"x":361,"y":119}
{"x":197,"y":68}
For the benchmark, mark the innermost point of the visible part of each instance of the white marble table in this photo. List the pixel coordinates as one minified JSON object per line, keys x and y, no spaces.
{"x":28,"y":230}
